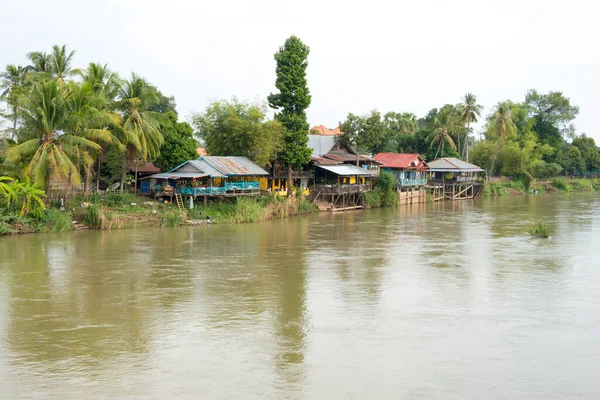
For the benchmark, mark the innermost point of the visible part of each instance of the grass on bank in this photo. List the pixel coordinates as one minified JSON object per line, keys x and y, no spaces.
{"x":555,"y":185}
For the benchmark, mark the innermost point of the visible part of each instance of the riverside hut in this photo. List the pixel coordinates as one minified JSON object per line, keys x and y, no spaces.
{"x":408,"y":169}
{"x":454,"y":179}
{"x":210,"y":176}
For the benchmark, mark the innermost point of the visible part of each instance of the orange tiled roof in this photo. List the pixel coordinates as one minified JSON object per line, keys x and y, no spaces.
{"x":324,"y":131}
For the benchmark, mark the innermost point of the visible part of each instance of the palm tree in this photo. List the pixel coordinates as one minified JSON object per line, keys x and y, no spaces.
{"x":444,"y":124}
{"x":12,"y":88}
{"x":469,"y":111}
{"x":103,"y":81}
{"x":89,"y":119}
{"x":40,"y":66}
{"x":48,"y":149}
{"x":501,"y":125}
{"x":60,"y":64}
{"x":140,"y":129}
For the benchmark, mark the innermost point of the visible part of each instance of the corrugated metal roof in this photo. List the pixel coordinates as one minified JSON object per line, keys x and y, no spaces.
{"x":320,"y":144}
{"x":176,"y":175}
{"x":345,"y":170}
{"x":451,"y":164}
{"x":401,"y":160}
{"x":231,"y":166}
{"x":206,"y":168}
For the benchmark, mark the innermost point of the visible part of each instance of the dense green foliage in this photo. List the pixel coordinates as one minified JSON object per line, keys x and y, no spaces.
{"x":362,"y":131}
{"x":291,"y":101}
{"x":179,"y":143}
{"x":64,"y":120}
{"x":236,"y":128}
{"x":383,"y":194}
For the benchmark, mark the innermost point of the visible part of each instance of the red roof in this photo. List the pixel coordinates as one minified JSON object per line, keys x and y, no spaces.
{"x":324,"y":131}
{"x":143,"y":168}
{"x":401,"y":161}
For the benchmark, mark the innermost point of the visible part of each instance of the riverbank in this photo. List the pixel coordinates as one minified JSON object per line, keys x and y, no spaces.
{"x":517,"y":188}
{"x":122,"y":211}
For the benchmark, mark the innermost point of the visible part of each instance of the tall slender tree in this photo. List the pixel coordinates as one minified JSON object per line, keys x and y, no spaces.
{"x":12,"y":89}
{"x":469,"y":111}
{"x":291,"y":102}
{"x":502,"y":126}
{"x":444,"y":125}
{"x":139,"y":129}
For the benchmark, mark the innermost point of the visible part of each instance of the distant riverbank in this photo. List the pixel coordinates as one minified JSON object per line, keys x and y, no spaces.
{"x":122,"y":211}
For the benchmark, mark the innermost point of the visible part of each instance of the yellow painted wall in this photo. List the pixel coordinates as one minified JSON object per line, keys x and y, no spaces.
{"x":264,"y":183}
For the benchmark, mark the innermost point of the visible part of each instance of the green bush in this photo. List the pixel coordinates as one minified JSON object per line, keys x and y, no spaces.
{"x":596,"y":184}
{"x":5,"y":228}
{"x":57,"y":221}
{"x":92,"y":218}
{"x":493,"y":189}
{"x":113,"y":200}
{"x":561,"y":184}
{"x":540,"y":230}
{"x":173,"y":218}
{"x":372,"y":199}
{"x":581,"y":185}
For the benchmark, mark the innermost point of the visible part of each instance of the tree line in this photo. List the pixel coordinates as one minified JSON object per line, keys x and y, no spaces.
{"x":89,"y":125}
{"x":84,"y":125}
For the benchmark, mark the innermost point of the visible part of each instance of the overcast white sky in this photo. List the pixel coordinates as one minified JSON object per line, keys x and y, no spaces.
{"x":389,"y":55}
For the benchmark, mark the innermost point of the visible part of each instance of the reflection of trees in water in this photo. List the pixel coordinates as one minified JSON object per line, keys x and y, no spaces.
{"x":258,"y":276}
{"x":357,"y":245}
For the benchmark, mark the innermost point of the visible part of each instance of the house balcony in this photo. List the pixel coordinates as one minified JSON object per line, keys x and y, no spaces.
{"x":411,"y":182}
{"x":340,"y":189}
{"x":230,"y":187}
{"x":295,"y":175}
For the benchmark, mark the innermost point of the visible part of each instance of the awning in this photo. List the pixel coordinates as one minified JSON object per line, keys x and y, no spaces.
{"x":176,"y":175}
{"x":345,"y":170}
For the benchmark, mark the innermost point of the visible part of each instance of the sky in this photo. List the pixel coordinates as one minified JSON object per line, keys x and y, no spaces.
{"x":404,"y":56}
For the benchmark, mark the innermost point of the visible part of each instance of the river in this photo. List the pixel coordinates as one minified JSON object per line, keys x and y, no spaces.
{"x":437,"y":301}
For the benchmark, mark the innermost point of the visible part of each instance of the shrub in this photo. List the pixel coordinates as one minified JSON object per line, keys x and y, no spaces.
{"x":596,"y":184}
{"x":172,"y":218}
{"x":561,"y":184}
{"x":114,"y":200}
{"x":57,"y":221}
{"x":540,"y":230}
{"x":582,"y":185}
{"x":5,"y":228}
{"x":92,"y":218}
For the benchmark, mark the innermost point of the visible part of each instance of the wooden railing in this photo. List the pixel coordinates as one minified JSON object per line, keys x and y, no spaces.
{"x":212,"y":191}
{"x":340,"y":189}
{"x":411,"y":182}
{"x":295,"y":175}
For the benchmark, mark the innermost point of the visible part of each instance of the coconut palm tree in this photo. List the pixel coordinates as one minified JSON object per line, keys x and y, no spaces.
{"x":444,"y":125}
{"x":139,"y":129}
{"x":89,"y":119}
{"x":103,"y":81}
{"x":60,"y":64}
{"x":469,"y":111}
{"x":11,"y":86}
{"x":48,"y":149}
{"x":501,"y":125}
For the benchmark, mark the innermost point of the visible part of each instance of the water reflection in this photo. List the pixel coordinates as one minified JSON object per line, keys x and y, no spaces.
{"x":303,"y":307}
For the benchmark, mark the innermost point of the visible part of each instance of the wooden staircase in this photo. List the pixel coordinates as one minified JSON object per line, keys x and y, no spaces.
{"x":179,"y":201}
